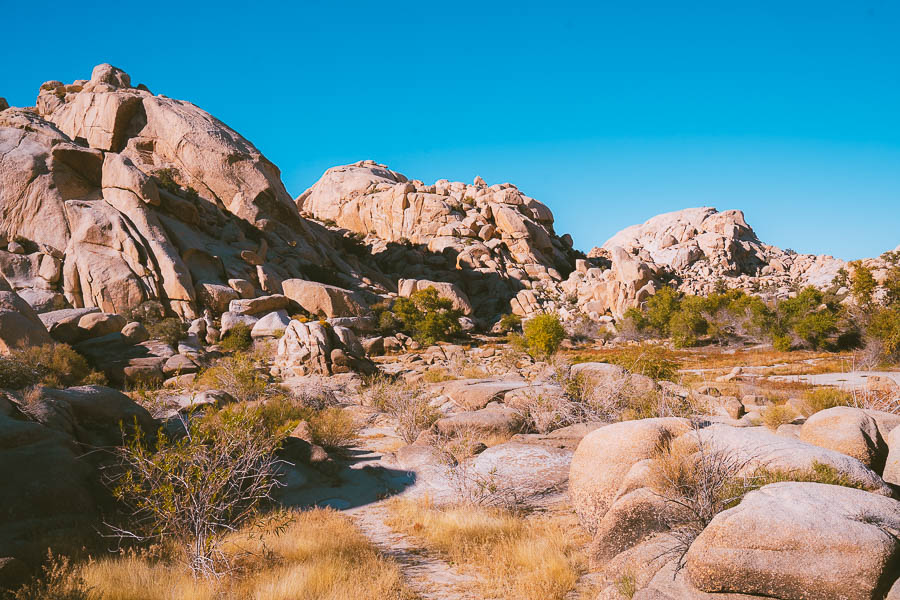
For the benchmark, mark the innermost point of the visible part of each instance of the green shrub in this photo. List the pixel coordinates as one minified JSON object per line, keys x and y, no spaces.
{"x":333,"y":428}
{"x":661,"y":307}
{"x":822,"y":398}
{"x":237,"y":339}
{"x":427,"y":317}
{"x":169,"y":330}
{"x":543,"y":334}
{"x":54,"y":365}
{"x":196,"y":489}
{"x":777,"y":415}
{"x":884,"y":326}
{"x":688,"y":323}
{"x":646,"y":359}
{"x":147,"y":312}
{"x":238,"y":375}
{"x":510,"y":322}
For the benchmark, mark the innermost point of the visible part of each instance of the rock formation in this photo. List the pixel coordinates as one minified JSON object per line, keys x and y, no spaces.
{"x":491,"y":241}
{"x":111,"y":195}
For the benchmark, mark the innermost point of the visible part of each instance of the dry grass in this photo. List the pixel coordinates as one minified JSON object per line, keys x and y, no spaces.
{"x":513,"y":557}
{"x":777,"y":415}
{"x":320,"y":555}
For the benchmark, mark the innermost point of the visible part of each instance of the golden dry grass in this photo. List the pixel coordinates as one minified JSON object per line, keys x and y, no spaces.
{"x":777,"y":415}
{"x":512,"y":557}
{"x":320,"y":555}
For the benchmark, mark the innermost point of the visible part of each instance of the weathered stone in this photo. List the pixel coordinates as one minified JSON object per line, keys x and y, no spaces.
{"x":327,"y":300}
{"x":800,"y":540}
{"x":604,"y":457}
{"x":849,"y":431}
{"x":271,"y":325}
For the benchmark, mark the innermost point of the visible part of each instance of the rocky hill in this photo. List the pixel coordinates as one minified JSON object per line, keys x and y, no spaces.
{"x":112,"y":195}
{"x":491,"y":241}
{"x":702,"y":246}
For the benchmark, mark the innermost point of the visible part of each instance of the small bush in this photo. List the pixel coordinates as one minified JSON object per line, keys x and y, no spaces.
{"x":862,"y":284}
{"x":436,"y":376}
{"x":147,"y":312}
{"x":697,"y":482}
{"x":510,"y":322}
{"x":238,"y":375}
{"x":406,"y":403}
{"x":237,"y":339}
{"x":777,"y":415}
{"x":823,"y":398}
{"x":58,"y":581}
{"x":427,"y":317}
{"x":646,"y":359}
{"x":54,"y":365}
{"x":196,"y":489}
{"x":169,"y":330}
{"x":333,"y":428}
{"x":884,"y":327}
{"x":543,"y":334}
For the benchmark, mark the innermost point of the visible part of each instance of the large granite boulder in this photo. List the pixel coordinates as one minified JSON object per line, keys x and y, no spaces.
{"x":801,"y":540}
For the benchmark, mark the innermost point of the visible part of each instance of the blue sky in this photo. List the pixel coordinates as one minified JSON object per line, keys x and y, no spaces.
{"x":609,"y":112}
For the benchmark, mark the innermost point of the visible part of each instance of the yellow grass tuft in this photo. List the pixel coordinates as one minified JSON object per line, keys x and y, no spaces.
{"x":513,"y":557}
{"x":320,"y":555}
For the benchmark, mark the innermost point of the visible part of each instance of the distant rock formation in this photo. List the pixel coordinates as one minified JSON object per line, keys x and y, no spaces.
{"x":492,"y":241}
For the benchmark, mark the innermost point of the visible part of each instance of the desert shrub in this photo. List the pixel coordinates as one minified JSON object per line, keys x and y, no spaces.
{"x":169,"y":330}
{"x":427,"y":317}
{"x":777,"y":415}
{"x":406,"y":403}
{"x":333,"y":428}
{"x":237,"y":339}
{"x":58,"y":581}
{"x":817,"y":473}
{"x":647,"y":359}
{"x":147,"y":312}
{"x":510,"y":322}
{"x":884,"y":329}
{"x":661,"y":308}
{"x":688,"y":323}
{"x":697,"y":482}
{"x":543,"y":334}
{"x":809,"y":319}
{"x":54,"y":365}
{"x":196,"y":489}
{"x":239,"y":375}
{"x":822,"y":398}
{"x":436,"y":375}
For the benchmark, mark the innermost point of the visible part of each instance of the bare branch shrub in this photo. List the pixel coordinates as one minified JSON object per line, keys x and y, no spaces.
{"x":697,"y":482}
{"x":407,"y":403}
{"x":196,"y":489}
{"x":470,"y":486}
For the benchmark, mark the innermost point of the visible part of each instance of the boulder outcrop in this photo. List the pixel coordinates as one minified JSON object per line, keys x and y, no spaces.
{"x":111,"y":195}
{"x":491,"y":241}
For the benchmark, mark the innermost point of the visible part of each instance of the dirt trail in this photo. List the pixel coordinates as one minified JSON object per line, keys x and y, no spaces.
{"x":365,"y":485}
{"x":428,"y":576}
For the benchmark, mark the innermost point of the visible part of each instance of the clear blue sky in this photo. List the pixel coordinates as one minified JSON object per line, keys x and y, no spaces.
{"x":609,"y":112}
